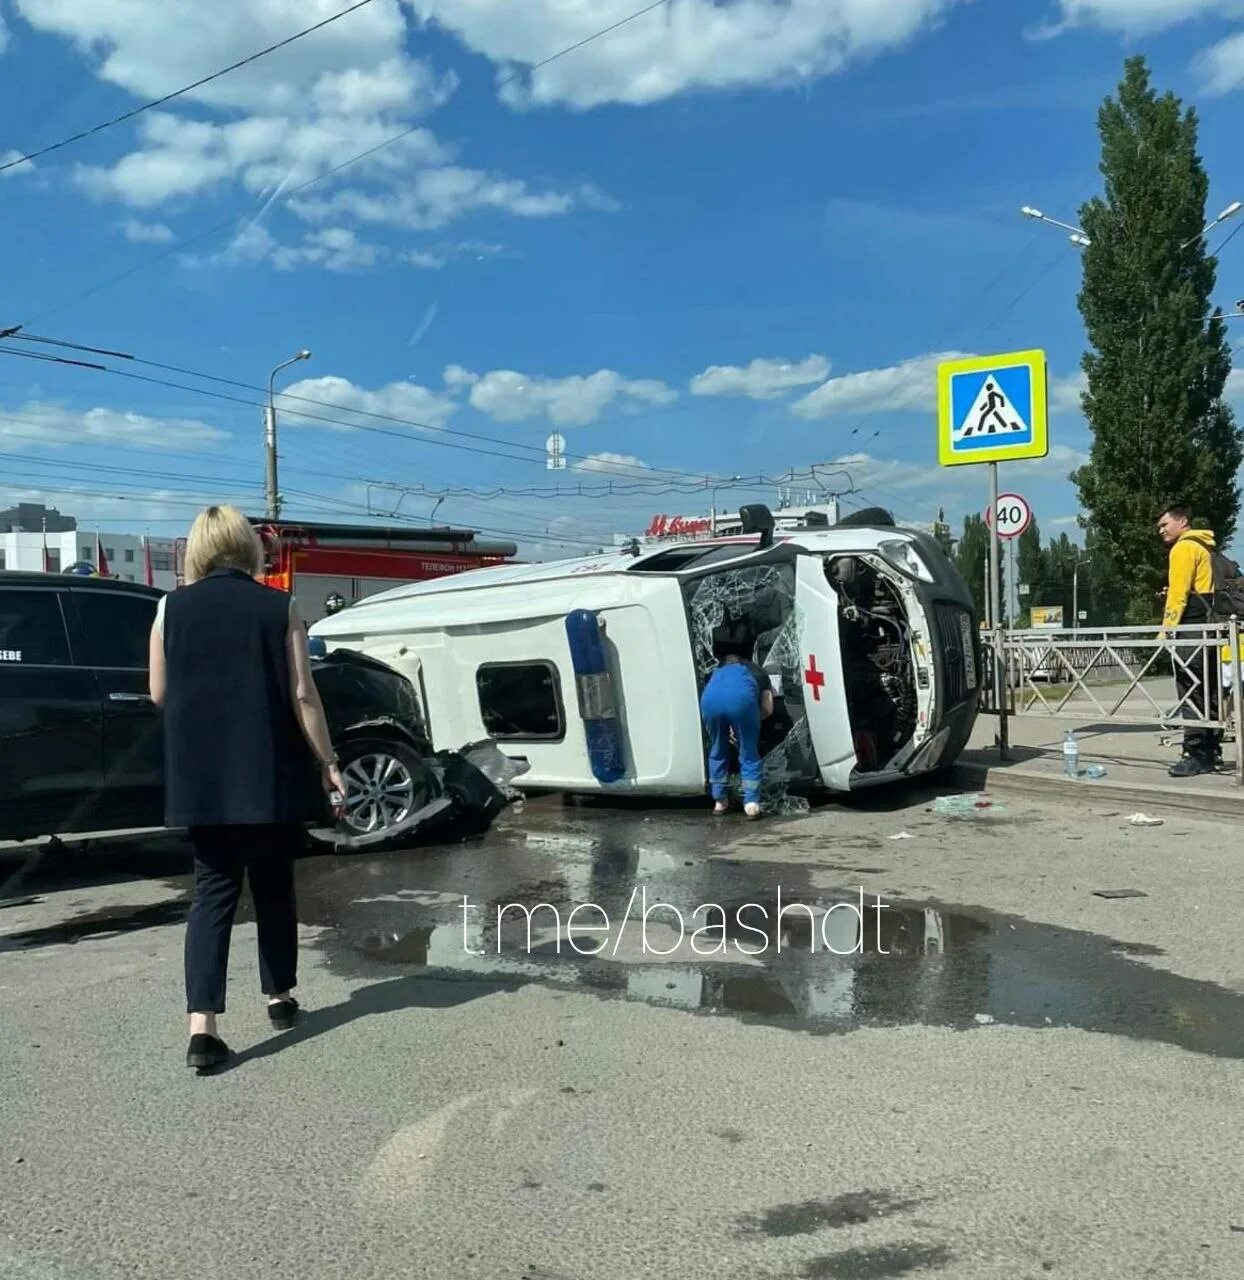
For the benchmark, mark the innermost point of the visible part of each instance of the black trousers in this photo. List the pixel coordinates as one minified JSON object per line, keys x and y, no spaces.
{"x":1189,"y":669}
{"x":265,"y":854}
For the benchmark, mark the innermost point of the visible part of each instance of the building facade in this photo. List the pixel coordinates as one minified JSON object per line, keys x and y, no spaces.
{"x":34,"y":517}
{"x":123,"y":554}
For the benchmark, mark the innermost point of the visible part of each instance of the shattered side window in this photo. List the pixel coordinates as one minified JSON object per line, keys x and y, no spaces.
{"x":744,"y":611}
{"x":752,"y":612}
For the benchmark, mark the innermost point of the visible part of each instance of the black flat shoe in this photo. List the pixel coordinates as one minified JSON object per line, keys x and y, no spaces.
{"x":206,"y":1053}
{"x":283,"y":1014}
{"x":1190,"y":767}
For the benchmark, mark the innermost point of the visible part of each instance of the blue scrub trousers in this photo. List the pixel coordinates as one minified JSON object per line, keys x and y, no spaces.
{"x":731,"y":701}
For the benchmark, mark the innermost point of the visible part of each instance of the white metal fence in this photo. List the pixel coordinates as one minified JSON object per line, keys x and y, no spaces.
{"x":1125,"y":675}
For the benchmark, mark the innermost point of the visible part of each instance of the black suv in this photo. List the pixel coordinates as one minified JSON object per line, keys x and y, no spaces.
{"x":80,"y":739}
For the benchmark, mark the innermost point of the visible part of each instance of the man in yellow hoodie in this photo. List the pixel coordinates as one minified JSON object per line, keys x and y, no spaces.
{"x":1189,"y":595}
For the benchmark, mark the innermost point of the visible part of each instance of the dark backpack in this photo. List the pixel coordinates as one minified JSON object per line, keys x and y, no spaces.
{"x":1228,"y":596}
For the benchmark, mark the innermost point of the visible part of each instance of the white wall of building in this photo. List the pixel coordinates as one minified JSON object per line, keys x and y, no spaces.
{"x":123,"y":551}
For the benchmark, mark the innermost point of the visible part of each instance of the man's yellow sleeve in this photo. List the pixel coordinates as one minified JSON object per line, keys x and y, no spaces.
{"x":1180,"y":573}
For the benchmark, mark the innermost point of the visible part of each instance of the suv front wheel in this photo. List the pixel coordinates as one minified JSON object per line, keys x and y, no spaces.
{"x":385,"y":783}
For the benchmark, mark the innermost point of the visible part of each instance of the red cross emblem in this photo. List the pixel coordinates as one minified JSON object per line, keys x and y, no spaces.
{"x":814,"y":678}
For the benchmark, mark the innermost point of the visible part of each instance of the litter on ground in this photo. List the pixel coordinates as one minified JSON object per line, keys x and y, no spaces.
{"x":1144,"y":820}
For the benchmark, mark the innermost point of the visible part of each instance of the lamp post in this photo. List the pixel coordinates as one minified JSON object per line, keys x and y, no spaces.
{"x":1229,"y":212}
{"x":712,"y":514}
{"x":1077,"y":236}
{"x":274,"y":498}
{"x":1075,"y":590}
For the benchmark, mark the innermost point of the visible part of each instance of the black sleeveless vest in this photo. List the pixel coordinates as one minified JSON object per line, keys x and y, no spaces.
{"x":233,"y":751}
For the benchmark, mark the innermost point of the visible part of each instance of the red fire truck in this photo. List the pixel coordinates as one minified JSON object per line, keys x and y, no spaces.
{"x":316,"y":561}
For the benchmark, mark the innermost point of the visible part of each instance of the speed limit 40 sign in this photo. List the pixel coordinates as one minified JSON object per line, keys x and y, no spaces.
{"x":1013,"y":515}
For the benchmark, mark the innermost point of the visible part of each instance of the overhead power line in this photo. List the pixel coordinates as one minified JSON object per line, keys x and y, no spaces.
{"x":177,"y":93}
{"x":703,"y":480}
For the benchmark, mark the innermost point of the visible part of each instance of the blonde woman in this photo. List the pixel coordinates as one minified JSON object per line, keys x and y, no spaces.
{"x":242,"y":720}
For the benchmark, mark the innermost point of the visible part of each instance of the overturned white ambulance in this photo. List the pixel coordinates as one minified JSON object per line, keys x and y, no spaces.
{"x":591,"y":670}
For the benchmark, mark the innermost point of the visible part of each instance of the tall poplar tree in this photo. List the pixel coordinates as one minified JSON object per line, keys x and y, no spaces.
{"x":1159,"y":353}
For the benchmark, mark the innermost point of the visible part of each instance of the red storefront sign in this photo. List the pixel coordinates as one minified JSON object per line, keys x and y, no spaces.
{"x":678,"y":526}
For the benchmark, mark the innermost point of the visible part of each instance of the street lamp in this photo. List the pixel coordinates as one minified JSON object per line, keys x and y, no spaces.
{"x":274,"y":498}
{"x":1077,"y":236}
{"x":1229,"y":212}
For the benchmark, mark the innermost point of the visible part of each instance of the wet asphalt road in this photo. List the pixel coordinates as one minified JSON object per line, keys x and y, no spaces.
{"x":994,"y":1073}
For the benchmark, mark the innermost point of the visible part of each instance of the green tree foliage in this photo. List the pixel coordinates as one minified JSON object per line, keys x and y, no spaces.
{"x":1158,"y":360}
{"x":971,"y":558}
{"x":1030,"y":571}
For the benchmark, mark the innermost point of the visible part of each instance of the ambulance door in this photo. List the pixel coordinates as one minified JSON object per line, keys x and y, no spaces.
{"x":824,"y":682}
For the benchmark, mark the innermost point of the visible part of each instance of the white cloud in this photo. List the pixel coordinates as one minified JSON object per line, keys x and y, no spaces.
{"x":1222,"y":65}
{"x":146,"y":232}
{"x":456,"y":376}
{"x":576,"y":401}
{"x":438,"y":256}
{"x":692,"y":44}
{"x":336,"y":249}
{"x":1065,"y":392}
{"x":333,"y":248}
{"x":7,"y":157}
{"x":148,"y":49}
{"x":179,"y":157}
{"x":907,"y":386}
{"x":397,"y":84}
{"x":433,"y":197}
{"x":298,"y":113}
{"x":42,"y":425}
{"x":1235,"y":385}
{"x":4,"y":35}
{"x":762,"y":379}
{"x":406,"y":400}
{"x":1136,"y":16}
{"x":620,"y":464}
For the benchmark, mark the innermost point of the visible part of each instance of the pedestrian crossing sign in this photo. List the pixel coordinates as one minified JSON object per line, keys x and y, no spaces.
{"x":992,"y":409}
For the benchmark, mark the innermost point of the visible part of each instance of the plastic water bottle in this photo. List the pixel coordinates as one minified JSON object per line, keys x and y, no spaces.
{"x":1071,"y":755}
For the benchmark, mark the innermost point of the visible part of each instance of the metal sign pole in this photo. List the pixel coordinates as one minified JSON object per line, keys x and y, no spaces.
{"x":995,"y":609}
{"x":993,"y":409}
{"x":1237,"y":699}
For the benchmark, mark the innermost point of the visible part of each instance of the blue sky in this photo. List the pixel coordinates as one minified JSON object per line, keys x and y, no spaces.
{"x":727,"y":238}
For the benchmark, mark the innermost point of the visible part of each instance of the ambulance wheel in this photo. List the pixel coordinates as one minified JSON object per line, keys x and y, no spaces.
{"x":385,"y":783}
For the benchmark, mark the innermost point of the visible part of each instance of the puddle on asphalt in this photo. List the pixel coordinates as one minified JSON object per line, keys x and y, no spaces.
{"x":558,"y":897}
{"x":564,"y":907}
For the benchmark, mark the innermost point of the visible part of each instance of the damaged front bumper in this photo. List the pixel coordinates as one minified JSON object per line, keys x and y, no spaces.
{"x":474,"y":787}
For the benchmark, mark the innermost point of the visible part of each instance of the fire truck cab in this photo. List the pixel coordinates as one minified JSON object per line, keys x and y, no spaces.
{"x":316,"y":561}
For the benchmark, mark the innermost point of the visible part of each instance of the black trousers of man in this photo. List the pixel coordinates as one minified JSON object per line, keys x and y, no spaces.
{"x":1190,"y":672}
{"x":222,"y":856}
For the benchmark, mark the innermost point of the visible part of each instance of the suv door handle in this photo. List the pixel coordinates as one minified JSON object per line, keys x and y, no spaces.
{"x":129,"y":697}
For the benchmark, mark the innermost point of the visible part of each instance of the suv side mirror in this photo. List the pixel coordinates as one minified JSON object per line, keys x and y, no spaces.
{"x":757,"y":518}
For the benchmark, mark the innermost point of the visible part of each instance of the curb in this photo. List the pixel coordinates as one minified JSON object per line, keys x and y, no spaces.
{"x":983,"y":777}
